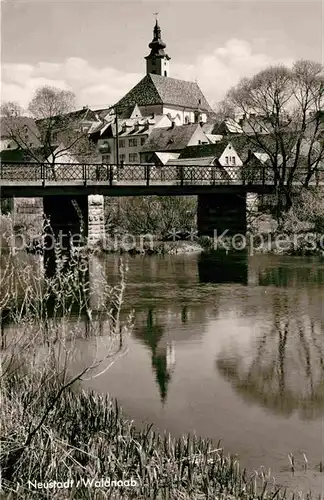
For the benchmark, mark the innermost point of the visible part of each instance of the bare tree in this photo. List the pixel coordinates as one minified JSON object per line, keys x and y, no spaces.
{"x":282,"y":111}
{"x":57,"y":128}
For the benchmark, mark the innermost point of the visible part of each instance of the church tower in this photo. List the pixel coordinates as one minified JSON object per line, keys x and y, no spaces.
{"x":157,"y":62}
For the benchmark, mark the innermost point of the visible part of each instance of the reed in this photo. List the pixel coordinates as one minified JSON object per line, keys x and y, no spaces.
{"x":86,"y":437}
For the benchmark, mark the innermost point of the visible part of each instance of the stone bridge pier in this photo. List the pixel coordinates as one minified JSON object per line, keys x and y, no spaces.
{"x":76,"y":215}
{"x":222,"y":212}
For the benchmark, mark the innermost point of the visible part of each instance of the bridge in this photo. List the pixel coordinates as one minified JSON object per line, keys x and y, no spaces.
{"x":221,"y":190}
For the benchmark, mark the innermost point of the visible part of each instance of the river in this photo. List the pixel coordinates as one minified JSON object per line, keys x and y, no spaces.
{"x":228,"y":348}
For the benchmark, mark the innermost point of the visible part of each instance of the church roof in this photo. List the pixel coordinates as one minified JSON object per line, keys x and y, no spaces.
{"x":158,"y":89}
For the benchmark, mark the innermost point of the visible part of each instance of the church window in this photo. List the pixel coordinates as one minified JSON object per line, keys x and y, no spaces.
{"x":165,"y":73}
{"x":226,"y":160}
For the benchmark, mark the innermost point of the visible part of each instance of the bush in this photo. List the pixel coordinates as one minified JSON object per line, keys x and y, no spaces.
{"x":157,"y":215}
{"x":306,"y":214}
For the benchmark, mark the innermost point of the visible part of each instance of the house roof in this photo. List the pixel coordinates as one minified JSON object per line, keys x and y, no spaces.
{"x":9,"y":127}
{"x":102,"y":113}
{"x":84,"y":114}
{"x":165,"y":157}
{"x":170,"y":139}
{"x":157,"y":89}
{"x":227,"y":126}
{"x":204,"y":150}
{"x":22,"y":155}
{"x":187,"y":162}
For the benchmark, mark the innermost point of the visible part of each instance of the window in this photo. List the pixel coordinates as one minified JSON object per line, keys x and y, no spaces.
{"x":122,"y":157}
{"x":226,"y":160}
{"x":165,"y":73}
{"x":105,"y":158}
{"x":143,"y":139}
{"x":233,"y":160}
{"x":132,"y":142}
{"x":121,"y":143}
{"x":133,"y":157}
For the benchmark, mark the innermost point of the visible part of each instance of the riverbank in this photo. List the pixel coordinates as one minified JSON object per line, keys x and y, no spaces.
{"x":157,"y":247}
{"x":87,"y":442}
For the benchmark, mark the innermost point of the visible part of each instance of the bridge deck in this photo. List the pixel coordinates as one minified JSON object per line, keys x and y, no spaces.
{"x":35,"y":179}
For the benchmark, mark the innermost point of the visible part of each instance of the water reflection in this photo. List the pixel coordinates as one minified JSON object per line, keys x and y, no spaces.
{"x":282,"y":275}
{"x":223,"y":267}
{"x":163,"y":356}
{"x":282,"y":367}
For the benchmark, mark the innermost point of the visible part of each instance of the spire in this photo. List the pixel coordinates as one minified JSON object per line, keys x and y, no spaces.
{"x":157,"y":60}
{"x":157,"y":45}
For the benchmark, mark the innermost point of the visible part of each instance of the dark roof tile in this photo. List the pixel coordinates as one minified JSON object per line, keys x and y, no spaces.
{"x":203,"y":150}
{"x":170,"y":139}
{"x":157,"y":89}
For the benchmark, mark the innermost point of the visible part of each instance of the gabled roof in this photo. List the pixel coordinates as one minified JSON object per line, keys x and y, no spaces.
{"x":205,"y":150}
{"x":102,"y":113}
{"x":157,"y":89}
{"x":10,"y":127}
{"x":67,"y":119}
{"x":227,"y":126}
{"x":22,"y":155}
{"x":170,"y":139}
{"x":187,"y":162}
{"x":165,"y":157}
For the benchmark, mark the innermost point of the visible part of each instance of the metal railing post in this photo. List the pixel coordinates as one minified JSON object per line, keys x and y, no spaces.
{"x":43,"y":174}
{"x":111,"y":171}
{"x":148,"y":167}
{"x":181,"y":175}
{"x":84,"y":174}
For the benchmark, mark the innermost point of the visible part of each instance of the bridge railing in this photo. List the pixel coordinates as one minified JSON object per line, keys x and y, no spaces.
{"x":143,"y":174}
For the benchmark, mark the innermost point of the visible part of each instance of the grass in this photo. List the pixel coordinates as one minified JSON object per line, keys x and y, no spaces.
{"x":86,"y":437}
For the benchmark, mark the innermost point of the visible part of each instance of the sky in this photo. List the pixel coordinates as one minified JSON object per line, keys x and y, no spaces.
{"x":97,"y":48}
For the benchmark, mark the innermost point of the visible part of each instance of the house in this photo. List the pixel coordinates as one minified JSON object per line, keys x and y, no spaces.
{"x":18,"y":132}
{"x":83,"y":121}
{"x":172,"y":140}
{"x":132,"y":135}
{"x":223,"y":151}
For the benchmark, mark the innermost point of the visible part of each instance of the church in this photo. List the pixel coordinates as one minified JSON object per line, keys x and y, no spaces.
{"x":157,"y":93}
{"x":156,"y":101}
